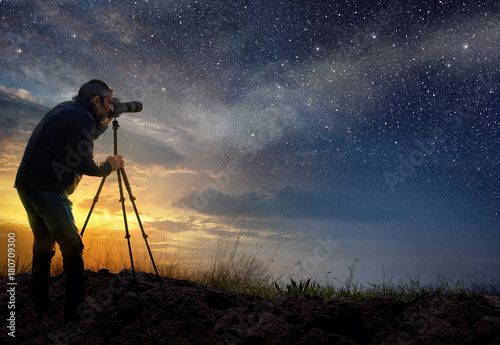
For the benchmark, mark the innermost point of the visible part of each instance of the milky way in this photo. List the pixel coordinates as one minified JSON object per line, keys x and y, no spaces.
{"x":374,"y":124}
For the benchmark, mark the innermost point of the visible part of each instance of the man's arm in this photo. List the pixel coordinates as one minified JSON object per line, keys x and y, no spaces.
{"x":81,"y":146}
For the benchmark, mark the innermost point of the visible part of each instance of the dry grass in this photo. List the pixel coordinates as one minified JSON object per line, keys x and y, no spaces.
{"x":234,"y":267}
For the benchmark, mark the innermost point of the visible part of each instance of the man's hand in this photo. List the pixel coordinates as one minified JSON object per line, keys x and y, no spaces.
{"x":116,"y":162}
{"x":106,"y":122}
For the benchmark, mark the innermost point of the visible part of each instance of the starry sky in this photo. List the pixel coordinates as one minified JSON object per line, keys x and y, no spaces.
{"x":314,"y":132}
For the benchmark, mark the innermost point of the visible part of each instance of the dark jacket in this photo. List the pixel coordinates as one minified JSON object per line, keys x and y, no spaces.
{"x":60,"y":149}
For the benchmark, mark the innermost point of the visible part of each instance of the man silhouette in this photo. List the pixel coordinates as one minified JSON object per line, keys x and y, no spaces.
{"x":58,"y":153}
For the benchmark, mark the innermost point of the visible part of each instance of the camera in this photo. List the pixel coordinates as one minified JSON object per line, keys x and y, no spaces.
{"x":125,"y":107}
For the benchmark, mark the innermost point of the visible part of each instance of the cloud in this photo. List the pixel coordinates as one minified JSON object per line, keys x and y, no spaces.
{"x":168,"y":226}
{"x":144,"y":149}
{"x":18,"y":93}
{"x":18,"y":117}
{"x":288,"y":202}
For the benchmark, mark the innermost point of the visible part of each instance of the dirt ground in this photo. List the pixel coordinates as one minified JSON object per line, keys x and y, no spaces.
{"x":192,"y":314}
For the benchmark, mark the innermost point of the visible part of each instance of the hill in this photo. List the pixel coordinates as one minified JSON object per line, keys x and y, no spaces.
{"x":194,"y":314}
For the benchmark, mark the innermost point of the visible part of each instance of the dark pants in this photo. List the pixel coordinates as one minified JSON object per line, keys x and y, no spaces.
{"x":51,"y":219}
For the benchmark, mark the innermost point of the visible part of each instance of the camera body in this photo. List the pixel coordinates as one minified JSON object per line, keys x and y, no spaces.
{"x":125,"y":107}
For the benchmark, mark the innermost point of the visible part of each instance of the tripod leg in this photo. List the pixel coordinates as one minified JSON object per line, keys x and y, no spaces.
{"x":144,"y":235}
{"x":121,"y":173}
{"x":127,"y":234}
{"x":96,"y":198}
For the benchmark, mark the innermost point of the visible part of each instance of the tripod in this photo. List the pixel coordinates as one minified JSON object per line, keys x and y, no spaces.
{"x":121,"y":174}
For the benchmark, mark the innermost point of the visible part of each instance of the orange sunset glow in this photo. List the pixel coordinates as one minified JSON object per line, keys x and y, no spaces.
{"x":173,"y":234}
